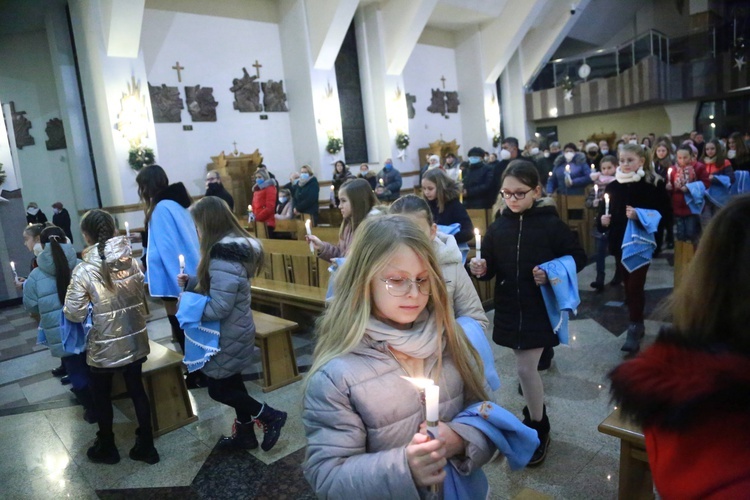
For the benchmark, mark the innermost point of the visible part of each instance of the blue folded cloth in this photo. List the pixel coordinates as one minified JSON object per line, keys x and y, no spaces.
{"x":336,"y":263}
{"x":695,"y":197}
{"x":561,"y":293}
{"x":741,"y":183}
{"x":718,"y":192}
{"x":201,"y":337}
{"x":639,"y":243}
{"x":74,"y":335}
{"x":452,"y":229}
{"x":512,"y":438}
{"x":475,"y":333}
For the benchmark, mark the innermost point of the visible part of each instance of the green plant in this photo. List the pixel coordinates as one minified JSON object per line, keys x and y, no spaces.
{"x":334,"y":145}
{"x":496,"y":140}
{"x":140,"y":156}
{"x":402,"y":140}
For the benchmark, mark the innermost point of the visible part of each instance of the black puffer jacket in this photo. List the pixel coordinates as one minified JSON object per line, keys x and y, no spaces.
{"x":477,"y":180}
{"x":513,"y":246}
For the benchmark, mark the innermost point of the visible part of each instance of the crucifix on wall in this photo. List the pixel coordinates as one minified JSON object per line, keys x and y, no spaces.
{"x":257,"y":67}
{"x":178,"y":68}
{"x":442,"y":79}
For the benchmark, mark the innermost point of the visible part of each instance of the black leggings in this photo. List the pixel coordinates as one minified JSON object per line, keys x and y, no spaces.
{"x":231,"y":391}
{"x":101,"y":384}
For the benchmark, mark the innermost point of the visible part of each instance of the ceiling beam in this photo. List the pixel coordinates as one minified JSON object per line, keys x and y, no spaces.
{"x":403,"y":23}
{"x":327,"y":24}
{"x":122,"y":23}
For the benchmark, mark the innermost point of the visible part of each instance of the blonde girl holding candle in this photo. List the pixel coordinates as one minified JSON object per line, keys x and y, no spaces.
{"x":527,"y":233}
{"x":634,"y":187}
{"x":362,"y":418}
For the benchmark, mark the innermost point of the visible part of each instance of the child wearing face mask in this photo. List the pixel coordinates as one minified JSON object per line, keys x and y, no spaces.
{"x":571,"y":172}
{"x":528,"y":233}
{"x":356,"y":201}
{"x":366,"y":174}
{"x":601,"y":180}
{"x":284,"y":206}
{"x":634,"y":187}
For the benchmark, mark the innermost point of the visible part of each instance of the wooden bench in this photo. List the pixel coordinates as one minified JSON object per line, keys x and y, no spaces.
{"x":287,"y":296}
{"x":635,"y":475}
{"x":165,"y":386}
{"x":274,"y":338}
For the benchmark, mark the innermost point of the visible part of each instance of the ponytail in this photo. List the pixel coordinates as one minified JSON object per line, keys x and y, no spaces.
{"x":100,"y":226}
{"x":52,"y":236}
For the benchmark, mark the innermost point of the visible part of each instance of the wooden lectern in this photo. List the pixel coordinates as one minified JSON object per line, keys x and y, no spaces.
{"x":237,"y":173}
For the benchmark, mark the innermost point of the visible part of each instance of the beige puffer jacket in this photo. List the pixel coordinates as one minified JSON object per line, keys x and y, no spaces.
{"x":118,"y":336}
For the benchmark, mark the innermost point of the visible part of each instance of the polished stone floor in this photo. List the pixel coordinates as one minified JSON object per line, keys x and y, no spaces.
{"x":43,"y":437}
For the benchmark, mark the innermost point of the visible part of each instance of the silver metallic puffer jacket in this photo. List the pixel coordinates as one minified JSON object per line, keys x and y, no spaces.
{"x":118,"y":336}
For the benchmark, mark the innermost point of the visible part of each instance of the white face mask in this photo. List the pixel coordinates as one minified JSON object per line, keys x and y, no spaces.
{"x":504,"y":154}
{"x":569,"y":156}
{"x":534,"y":151}
{"x":605,"y":151}
{"x":632,"y":141}
{"x":546,"y":154}
{"x":56,"y":210}
{"x":731,"y":153}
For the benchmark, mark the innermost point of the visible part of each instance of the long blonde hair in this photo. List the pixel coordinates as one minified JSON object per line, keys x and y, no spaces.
{"x":342,"y":327}
{"x":214,"y":221}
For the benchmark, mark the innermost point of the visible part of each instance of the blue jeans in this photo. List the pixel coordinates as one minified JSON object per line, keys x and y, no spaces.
{"x":602,"y":249}
{"x":78,"y":370}
{"x":687,"y":228}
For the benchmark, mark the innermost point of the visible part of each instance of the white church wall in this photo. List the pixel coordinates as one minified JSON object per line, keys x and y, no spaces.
{"x":27,"y":80}
{"x":423,"y":72}
{"x":213,"y":51}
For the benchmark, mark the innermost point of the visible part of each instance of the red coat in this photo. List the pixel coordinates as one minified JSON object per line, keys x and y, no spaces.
{"x":687,"y":175}
{"x":694,"y":405}
{"x":264,"y":205}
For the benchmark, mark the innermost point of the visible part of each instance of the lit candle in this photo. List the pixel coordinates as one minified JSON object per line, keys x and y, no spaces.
{"x":332,"y":188}
{"x":127,"y":231}
{"x":249,"y":214}
{"x":606,"y":204}
{"x":13,"y":268}
{"x":669,"y":175}
{"x":308,"y":229}
{"x":550,"y":174}
{"x":567,"y":169}
{"x":182,"y":264}
{"x":596,"y":191}
{"x":432,"y":409}
{"x":478,"y":245}
{"x":382,"y":184}
{"x":461,"y":192}
{"x":593,"y":167}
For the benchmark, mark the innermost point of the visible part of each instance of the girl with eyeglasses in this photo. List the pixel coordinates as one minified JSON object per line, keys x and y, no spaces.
{"x":362,"y":418}
{"x":527,"y":233}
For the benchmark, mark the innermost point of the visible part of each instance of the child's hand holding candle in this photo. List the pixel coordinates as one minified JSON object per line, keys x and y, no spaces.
{"x":308,"y":229}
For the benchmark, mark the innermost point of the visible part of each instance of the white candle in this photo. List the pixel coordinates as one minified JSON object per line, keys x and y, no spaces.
{"x":249,"y":214}
{"x":550,"y":174}
{"x":308,"y":229}
{"x":13,"y":268}
{"x":596,"y":191}
{"x":593,"y":167}
{"x":567,"y":169}
{"x":182,"y":264}
{"x":478,"y":245}
{"x":332,"y":188}
{"x":382,"y":184}
{"x":669,"y":175}
{"x":606,"y":204}
{"x":250,"y":208}
{"x":127,"y":231}
{"x":432,"y":409}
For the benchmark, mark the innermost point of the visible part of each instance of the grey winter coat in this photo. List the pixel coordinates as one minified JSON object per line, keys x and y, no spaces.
{"x":118,"y":334}
{"x":233,"y":261}
{"x":40,"y":296}
{"x":360,"y":414}
{"x":461,"y":291}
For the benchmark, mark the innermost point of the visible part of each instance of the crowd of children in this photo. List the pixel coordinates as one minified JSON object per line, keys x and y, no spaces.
{"x":404,"y":309}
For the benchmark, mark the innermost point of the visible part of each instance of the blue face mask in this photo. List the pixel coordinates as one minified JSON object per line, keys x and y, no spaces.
{"x":474,"y":160}
{"x":304,"y":176}
{"x":388,"y":166}
{"x":282,"y":199}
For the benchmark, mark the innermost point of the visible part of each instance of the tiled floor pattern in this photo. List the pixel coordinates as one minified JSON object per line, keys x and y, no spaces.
{"x":44,"y":437}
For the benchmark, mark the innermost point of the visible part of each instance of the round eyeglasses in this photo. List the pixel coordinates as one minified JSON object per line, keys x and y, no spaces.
{"x":398,"y":287}
{"x":520,"y":195}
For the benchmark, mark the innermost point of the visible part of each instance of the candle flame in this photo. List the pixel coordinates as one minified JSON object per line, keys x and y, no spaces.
{"x":307,"y":223}
{"x":419,"y":383}
{"x":606,"y":197}
{"x":476,"y":231}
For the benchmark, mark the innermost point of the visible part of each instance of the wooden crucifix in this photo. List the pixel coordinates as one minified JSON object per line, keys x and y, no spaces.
{"x":442,"y":79}
{"x":257,"y":67}
{"x":178,"y":68}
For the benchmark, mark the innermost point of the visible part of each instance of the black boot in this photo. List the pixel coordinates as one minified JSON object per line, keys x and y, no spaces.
{"x":545,"y":360}
{"x":242,"y":438}
{"x":272,"y":421}
{"x":87,"y":401}
{"x":144,"y":447}
{"x":598,"y":284}
{"x":178,"y":334}
{"x":60,"y":371}
{"x":542,"y":429}
{"x":617,"y":278}
{"x":104,"y":450}
{"x":636,"y":331}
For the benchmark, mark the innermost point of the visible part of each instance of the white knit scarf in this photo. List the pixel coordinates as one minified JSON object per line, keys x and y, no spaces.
{"x":624,"y":178}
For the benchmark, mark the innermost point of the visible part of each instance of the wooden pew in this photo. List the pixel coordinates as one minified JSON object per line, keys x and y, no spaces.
{"x":274,"y":338}
{"x":291,"y":261}
{"x":635,"y":475}
{"x":287,"y":296}
{"x":165,"y":386}
{"x":572,"y":210}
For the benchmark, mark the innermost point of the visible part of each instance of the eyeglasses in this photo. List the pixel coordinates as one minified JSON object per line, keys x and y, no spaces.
{"x":398,"y":287}
{"x":520,"y":195}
